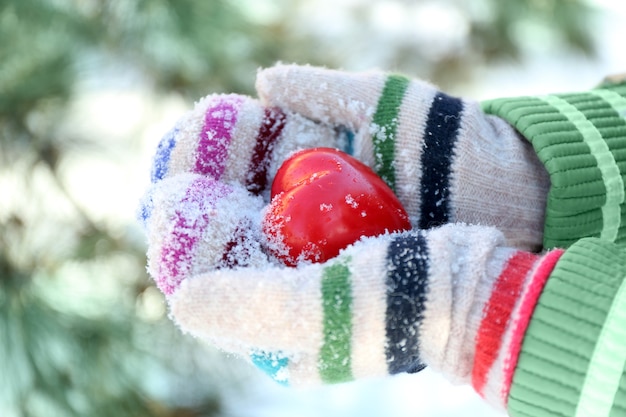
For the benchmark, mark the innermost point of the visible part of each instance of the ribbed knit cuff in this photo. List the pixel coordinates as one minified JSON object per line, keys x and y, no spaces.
{"x":504,"y":321}
{"x":572,"y":358}
{"x":581,"y":140}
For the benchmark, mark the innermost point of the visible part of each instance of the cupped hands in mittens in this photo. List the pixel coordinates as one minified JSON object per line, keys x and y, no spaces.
{"x":465,"y":300}
{"x":210,"y":179}
{"x":385,"y":305}
{"x":446,"y":160}
{"x":454,"y":298}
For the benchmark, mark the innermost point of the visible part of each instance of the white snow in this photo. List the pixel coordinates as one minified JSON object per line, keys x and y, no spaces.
{"x":352,"y":202}
{"x":425,"y":394}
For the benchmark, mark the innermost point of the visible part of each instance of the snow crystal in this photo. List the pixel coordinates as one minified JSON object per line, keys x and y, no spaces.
{"x":326,"y":207}
{"x":351,"y":201}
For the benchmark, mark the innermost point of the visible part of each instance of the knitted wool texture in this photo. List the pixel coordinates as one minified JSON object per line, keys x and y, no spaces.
{"x":573,"y":358}
{"x":444,"y":158}
{"x":572,"y":361}
{"x":202,"y":218}
{"x":581,"y":139}
{"x":234,"y":139}
{"x":455,"y":297}
{"x":384,"y":306}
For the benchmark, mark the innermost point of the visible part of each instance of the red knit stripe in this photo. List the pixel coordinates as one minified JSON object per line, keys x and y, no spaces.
{"x":540,"y":277}
{"x":256,"y":179}
{"x":497,"y":314}
{"x":271,"y":128}
{"x":237,"y":242}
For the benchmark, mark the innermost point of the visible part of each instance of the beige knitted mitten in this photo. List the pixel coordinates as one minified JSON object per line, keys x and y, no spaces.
{"x":445,"y":159}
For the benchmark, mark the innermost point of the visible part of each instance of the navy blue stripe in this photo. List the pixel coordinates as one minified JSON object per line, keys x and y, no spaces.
{"x":407,"y":282}
{"x":442,"y":128}
{"x":163,"y":153}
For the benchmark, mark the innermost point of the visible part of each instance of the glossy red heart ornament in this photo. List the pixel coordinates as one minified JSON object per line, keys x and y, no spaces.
{"x":323,"y":200}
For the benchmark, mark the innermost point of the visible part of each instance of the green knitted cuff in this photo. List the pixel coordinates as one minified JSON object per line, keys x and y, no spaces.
{"x":572,"y":358}
{"x":581,"y":139}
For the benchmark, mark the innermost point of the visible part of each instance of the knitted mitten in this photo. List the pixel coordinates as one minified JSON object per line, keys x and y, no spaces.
{"x":445,"y":159}
{"x":453,"y":297}
{"x":233,"y":138}
{"x":195,"y":224}
{"x":538,"y":334}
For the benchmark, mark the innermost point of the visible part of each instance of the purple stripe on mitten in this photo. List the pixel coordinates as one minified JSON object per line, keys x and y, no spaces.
{"x":216,"y":134}
{"x":191,"y":220}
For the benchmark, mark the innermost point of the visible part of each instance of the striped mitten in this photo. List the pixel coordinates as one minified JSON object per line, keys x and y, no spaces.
{"x":453,"y":298}
{"x":445,"y":159}
{"x":210,"y":178}
{"x":539,"y":335}
{"x":234,"y":139}
{"x":196,"y":224}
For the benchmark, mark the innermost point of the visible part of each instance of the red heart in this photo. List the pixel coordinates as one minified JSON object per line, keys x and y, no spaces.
{"x":324,"y":200}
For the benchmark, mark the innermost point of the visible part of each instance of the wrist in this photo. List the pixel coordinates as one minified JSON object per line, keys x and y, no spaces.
{"x":504,"y":321}
{"x":579,"y":138}
{"x":480,"y":297}
{"x":572,"y":348}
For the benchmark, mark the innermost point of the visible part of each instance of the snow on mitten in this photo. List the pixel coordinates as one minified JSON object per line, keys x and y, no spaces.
{"x":446,"y":160}
{"x":196,"y":224}
{"x":454,"y":298}
{"x":234,"y":139}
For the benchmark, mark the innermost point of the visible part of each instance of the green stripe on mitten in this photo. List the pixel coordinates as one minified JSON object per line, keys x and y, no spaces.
{"x":446,"y":160}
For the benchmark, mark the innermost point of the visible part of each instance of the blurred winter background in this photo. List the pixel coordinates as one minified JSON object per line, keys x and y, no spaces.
{"x":87,"y":88}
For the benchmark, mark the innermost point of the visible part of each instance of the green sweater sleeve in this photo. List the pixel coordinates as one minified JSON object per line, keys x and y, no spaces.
{"x":573,"y":353}
{"x":581,"y":140}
